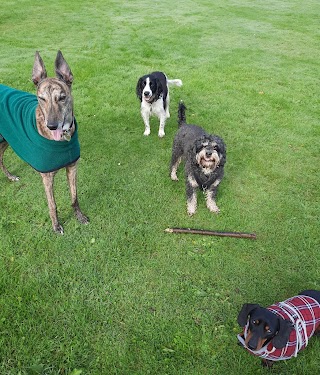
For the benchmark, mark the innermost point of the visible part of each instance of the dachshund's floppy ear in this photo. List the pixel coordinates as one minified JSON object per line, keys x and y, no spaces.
{"x":282,"y":337}
{"x":246,"y":310}
{"x":139,"y":88}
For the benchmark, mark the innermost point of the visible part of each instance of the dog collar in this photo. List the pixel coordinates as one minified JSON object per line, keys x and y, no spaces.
{"x":205,"y":185}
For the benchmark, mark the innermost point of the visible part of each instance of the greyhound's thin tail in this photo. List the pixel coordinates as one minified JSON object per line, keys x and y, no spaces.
{"x":174,"y":82}
{"x":182,"y":114}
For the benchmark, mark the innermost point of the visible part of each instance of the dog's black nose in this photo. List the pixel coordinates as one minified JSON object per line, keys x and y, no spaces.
{"x":52,"y":126}
{"x":147,"y":93}
{"x":208,"y":153}
{"x":252,"y":347}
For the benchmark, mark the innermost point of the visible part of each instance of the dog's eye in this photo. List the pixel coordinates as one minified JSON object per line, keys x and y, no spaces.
{"x":42,"y":98}
{"x":62,"y":97}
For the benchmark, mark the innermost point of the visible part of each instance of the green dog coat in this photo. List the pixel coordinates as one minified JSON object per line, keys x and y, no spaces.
{"x":19,"y":128}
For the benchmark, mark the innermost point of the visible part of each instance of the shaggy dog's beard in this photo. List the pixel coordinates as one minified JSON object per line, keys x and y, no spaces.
{"x":208,"y":161}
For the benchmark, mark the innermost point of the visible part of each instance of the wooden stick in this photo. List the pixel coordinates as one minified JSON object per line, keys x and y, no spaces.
{"x":212,"y":233}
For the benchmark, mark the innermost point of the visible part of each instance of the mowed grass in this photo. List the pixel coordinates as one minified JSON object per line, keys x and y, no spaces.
{"x":120,"y":296}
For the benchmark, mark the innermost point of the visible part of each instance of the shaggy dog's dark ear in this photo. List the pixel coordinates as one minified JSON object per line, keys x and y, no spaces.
{"x":246,"y":310}
{"x":139,"y":88}
{"x":222,"y":145}
{"x":222,"y":149}
{"x":197,"y":145}
{"x":282,"y":337}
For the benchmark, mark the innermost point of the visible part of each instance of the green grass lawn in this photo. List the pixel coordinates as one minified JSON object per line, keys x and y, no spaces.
{"x":121,"y":296}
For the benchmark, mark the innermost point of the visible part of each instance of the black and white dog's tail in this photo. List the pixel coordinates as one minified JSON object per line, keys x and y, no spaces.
{"x":174,"y":82}
{"x":182,"y":114}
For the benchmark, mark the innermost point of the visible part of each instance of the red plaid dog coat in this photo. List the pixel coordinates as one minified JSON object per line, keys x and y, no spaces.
{"x":304,"y":313}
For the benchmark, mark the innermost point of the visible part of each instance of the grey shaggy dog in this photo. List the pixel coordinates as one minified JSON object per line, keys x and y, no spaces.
{"x":204,"y":155}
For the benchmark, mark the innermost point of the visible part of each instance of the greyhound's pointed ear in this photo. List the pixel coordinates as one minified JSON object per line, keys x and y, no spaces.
{"x":39,"y":71}
{"x":282,"y":337}
{"x":63,"y":71}
{"x":246,"y":310}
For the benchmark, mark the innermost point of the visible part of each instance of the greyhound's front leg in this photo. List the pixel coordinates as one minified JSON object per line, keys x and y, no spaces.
{"x":3,"y":147}
{"x":47,"y":179}
{"x":72,"y":180}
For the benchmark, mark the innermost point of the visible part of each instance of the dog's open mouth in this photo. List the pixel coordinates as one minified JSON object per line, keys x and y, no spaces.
{"x":209,"y":163}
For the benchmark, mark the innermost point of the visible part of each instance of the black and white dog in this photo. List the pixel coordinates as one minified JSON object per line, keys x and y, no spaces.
{"x":204,"y":156}
{"x":153,"y":91}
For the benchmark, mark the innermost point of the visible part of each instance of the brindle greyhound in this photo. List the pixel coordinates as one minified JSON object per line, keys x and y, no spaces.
{"x":55,"y":121}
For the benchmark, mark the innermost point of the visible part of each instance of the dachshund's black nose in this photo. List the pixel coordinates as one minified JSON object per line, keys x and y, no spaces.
{"x":252,"y":347}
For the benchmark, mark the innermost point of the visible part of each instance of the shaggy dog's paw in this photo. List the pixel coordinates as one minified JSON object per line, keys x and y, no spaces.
{"x":174,"y":177}
{"x":215,"y":210}
{"x":213,"y":207}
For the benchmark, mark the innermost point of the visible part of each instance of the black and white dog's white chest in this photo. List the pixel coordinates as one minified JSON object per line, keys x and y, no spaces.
{"x":155,"y":108}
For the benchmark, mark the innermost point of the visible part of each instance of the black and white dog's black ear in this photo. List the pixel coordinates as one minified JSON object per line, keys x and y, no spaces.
{"x":159,"y":89}
{"x":139,"y":88}
{"x":246,"y":310}
{"x":282,"y":337}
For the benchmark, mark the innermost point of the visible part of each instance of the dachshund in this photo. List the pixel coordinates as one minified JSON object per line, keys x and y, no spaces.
{"x":281,"y":330}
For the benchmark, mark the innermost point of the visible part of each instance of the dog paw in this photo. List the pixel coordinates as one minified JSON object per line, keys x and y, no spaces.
{"x":266,"y":363}
{"x":83,"y":219}
{"x":161,"y":134}
{"x":213,"y":207}
{"x":14,"y":178}
{"x":215,"y":210}
{"x":146,"y":132}
{"x":58,"y":229}
{"x":191,"y":210}
{"x":174,"y":177}
{"x":191,"y":206}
